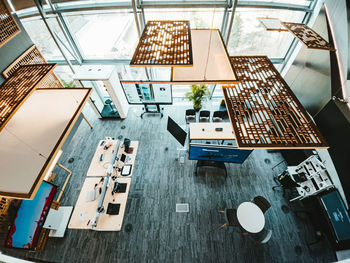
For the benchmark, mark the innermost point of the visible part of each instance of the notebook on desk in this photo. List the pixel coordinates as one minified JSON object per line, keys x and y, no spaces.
{"x":113,"y":209}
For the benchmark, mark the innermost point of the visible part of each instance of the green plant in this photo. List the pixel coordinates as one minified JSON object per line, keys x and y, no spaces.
{"x":197,"y":94}
{"x":71,"y":84}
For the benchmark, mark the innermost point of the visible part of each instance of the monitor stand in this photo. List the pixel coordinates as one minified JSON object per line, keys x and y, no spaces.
{"x":202,"y":163}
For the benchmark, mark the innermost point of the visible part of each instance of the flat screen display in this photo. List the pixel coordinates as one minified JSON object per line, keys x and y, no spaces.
{"x":337,"y":214}
{"x":218,"y":153}
{"x":30,"y":218}
{"x":145,"y":93}
{"x":179,"y":134}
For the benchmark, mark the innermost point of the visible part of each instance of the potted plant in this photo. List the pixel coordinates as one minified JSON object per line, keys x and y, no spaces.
{"x":69,"y":85}
{"x":197,"y":95}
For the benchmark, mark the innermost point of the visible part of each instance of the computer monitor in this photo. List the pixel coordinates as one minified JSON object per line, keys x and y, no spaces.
{"x":217,"y":153}
{"x":179,"y":134}
{"x":337,"y":214}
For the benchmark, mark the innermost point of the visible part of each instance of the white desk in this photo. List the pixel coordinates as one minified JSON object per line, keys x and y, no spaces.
{"x":97,"y":167}
{"x":206,"y":131}
{"x":250,"y":217}
{"x":84,"y":212}
{"x":317,"y":179}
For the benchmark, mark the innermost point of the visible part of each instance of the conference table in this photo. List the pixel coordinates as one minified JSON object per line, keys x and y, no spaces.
{"x":250,"y":217}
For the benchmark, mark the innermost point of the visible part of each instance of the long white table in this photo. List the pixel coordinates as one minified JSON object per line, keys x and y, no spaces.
{"x":84,"y":212}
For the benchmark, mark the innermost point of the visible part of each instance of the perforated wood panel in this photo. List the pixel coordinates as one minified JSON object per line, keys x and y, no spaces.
{"x":164,"y":43}
{"x":15,"y":90}
{"x":263,"y":110}
{"x":307,"y":36}
{"x":33,"y":56}
{"x":8,"y":25}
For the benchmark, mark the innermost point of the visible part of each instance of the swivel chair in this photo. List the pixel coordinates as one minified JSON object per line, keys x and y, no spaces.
{"x":190,"y":116}
{"x":217,"y":116}
{"x":262,"y":203}
{"x":231,"y":217}
{"x":204,"y":116}
{"x":285,"y":181}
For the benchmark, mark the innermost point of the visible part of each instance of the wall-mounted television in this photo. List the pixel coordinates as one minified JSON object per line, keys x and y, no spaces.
{"x":148,"y":93}
{"x":217,"y":153}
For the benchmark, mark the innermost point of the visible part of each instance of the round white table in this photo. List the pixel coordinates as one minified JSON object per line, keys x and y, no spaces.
{"x":250,"y":217}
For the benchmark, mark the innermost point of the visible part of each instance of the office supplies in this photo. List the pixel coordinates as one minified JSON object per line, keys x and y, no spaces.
{"x":122,"y":158}
{"x":175,"y":130}
{"x":113,"y":209}
{"x":101,"y":157}
{"x":115,"y":187}
{"x":91,"y":195}
{"x":127,"y":143}
{"x":122,"y":188}
{"x":126,"y":170}
{"x":219,"y":129}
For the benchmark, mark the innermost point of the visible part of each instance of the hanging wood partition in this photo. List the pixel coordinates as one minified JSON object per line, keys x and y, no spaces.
{"x":8,"y":25}
{"x":164,"y":43}
{"x":15,"y":90}
{"x":263,"y":110}
{"x":307,"y":36}
{"x":33,"y":56}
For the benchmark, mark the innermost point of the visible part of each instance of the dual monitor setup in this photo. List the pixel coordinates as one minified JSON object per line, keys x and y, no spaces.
{"x":208,"y":152}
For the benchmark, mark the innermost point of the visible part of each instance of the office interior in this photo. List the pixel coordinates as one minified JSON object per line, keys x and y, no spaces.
{"x":108,"y":155}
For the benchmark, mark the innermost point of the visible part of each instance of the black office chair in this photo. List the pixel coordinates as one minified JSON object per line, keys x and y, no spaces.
{"x":204,"y":116}
{"x":285,"y":181}
{"x":231,"y":217}
{"x":262,"y":203}
{"x":217,"y":116}
{"x":190,"y":116}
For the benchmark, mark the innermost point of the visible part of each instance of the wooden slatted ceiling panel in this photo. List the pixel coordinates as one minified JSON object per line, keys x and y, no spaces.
{"x":307,"y":36}
{"x":263,"y":110}
{"x":8,"y":25}
{"x":15,"y":90}
{"x":164,"y":43}
{"x":33,"y":56}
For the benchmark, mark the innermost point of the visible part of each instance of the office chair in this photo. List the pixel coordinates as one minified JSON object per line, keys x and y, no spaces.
{"x":204,"y":116}
{"x":231,"y":217}
{"x":262,"y":237}
{"x":190,"y":116}
{"x":217,"y":116}
{"x":285,"y":181}
{"x":262,"y":203}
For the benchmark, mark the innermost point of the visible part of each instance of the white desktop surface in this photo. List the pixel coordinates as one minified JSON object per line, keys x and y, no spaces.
{"x":33,"y":135}
{"x":250,"y":217}
{"x":206,"y":131}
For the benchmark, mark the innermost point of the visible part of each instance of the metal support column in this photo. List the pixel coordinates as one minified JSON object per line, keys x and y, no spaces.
{"x":43,"y":16}
{"x":231,"y":22}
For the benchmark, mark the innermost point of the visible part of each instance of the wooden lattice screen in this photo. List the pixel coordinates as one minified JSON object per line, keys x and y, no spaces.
{"x":33,"y":56}
{"x":8,"y":25}
{"x":15,"y":90}
{"x":8,"y":209}
{"x":307,"y":36}
{"x":263,"y":110}
{"x":164,"y":43}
